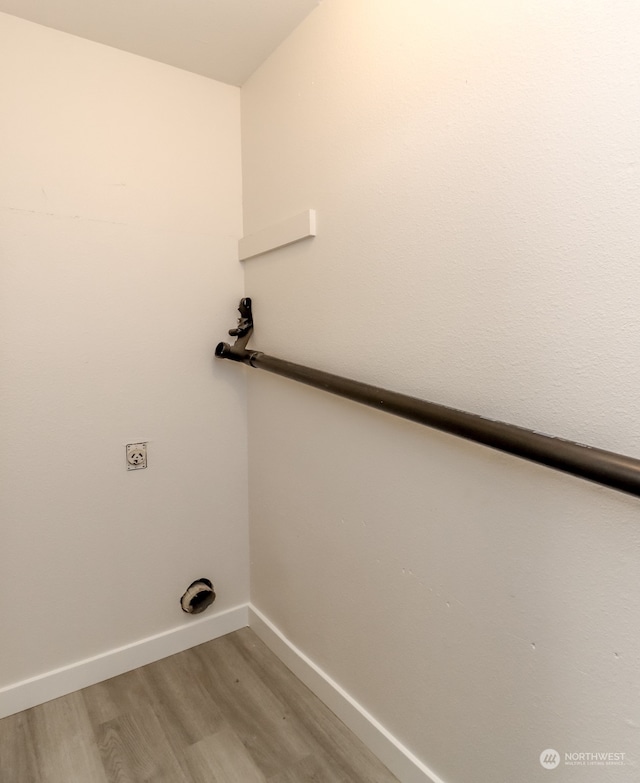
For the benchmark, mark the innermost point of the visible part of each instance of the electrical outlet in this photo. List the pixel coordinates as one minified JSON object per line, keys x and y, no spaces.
{"x":136,"y":456}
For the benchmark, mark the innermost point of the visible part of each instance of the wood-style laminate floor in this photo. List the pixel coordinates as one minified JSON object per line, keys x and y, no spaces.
{"x":225,"y":712}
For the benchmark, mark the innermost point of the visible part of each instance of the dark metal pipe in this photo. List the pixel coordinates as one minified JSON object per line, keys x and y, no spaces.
{"x":603,"y":467}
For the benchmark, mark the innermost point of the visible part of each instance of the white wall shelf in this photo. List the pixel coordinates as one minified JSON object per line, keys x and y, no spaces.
{"x":293,"y":229}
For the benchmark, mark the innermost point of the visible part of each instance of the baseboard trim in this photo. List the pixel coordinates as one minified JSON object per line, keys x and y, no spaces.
{"x":59,"y":682}
{"x":399,"y":759}
{"x":50,"y":685}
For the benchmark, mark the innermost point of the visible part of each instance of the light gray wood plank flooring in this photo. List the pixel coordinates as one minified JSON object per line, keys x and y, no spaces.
{"x":225,"y":712}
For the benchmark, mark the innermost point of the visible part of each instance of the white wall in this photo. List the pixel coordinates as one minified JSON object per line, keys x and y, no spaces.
{"x":476,"y":171}
{"x":120,"y":209}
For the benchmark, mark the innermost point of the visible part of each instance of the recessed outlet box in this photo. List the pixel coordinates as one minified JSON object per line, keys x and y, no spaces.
{"x":136,"y":456}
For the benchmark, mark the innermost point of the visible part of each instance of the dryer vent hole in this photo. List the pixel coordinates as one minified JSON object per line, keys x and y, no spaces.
{"x":198,"y":596}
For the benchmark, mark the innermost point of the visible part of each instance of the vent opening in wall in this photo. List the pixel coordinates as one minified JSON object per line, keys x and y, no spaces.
{"x":198,"y":596}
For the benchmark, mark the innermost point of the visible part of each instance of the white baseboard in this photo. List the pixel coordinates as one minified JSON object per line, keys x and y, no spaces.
{"x":50,"y":685}
{"x":399,"y":759}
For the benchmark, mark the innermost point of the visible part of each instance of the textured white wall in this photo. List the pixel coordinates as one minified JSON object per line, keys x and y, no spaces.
{"x":120,"y":208}
{"x":476,"y":171}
